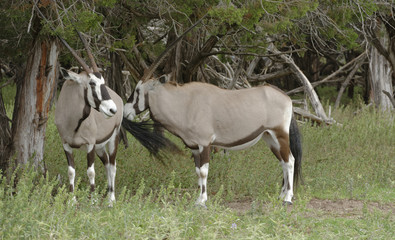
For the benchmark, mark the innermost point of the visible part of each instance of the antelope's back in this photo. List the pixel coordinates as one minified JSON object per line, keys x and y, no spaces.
{"x":197,"y":111}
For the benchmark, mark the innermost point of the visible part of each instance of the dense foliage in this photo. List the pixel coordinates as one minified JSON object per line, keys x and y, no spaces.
{"x":323,"y":26}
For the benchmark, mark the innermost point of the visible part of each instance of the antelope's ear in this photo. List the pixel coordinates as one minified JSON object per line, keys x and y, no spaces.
{"x":164,"y":78}
{"x":69,"y":75}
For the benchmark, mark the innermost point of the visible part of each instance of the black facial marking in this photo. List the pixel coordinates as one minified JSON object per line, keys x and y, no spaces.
{"x":98,"y":75}
{"x":64,"y":72}
{"x":130,"y":99}
{"x":162,"y":79}
{"x":104,"y":93}
{"x":136,"y":106}
{"x":95,"y":98}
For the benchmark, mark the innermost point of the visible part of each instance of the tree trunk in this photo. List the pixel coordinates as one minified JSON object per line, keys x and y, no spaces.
{"x":115,"y":79}
{"x":381,"y":76}
{"x":199,"y":57}
{"x":5,"y":137}
{"x":382,"y":62}
{"x":120,"y":84}
{"x":33,"y":102}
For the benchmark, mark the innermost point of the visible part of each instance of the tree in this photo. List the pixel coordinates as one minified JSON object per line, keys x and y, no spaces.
{"x":34,"y":98}
{"x":36,"y":85}
{"x":317,"y":41}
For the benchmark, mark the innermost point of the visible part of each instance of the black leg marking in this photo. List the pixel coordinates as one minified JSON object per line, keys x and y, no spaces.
{"x":70,"y":163}
{"x":91,"y":170}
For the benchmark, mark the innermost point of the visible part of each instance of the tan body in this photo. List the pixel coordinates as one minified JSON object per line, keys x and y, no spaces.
{"x":79,"y":122}
{"x":204,"y":115}
{"x":81,"y":125}
{"x":211,"y":115}
{"x":95,"y":129}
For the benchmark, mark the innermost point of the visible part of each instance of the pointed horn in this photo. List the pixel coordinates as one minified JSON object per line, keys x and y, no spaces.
{"x":149,"y":71}
{"x":78,"y":58}
{"x":90,"y":55}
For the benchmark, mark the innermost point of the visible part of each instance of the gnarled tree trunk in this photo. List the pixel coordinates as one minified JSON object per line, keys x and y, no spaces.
{"x":34,"y":96}
{"x":381,"y":78}
{"x":382,"y":61}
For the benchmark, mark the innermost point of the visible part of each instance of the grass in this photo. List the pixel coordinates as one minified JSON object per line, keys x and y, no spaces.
{"x":354,"y":161}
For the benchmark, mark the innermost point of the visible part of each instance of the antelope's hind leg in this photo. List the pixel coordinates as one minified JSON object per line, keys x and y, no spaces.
{"x":108,"y":160}
{"x":278,"y":142}
{"x":202,"y":159}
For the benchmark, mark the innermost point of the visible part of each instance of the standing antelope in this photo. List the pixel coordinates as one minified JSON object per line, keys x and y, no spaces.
{"x":203,"y":115}
{"x":88,"y":115}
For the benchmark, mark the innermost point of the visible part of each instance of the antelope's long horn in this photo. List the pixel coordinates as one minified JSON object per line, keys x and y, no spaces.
{"x":149,"y":71}
{"x":90,"y":55}
{"x":78,"y":58}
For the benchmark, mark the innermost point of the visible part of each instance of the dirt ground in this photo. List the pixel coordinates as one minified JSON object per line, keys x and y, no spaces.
{"x":338,"y":208}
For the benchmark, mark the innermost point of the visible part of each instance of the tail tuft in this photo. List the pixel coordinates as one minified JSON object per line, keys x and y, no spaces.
{"x":295,"y":142}
{"x":145,"y":134}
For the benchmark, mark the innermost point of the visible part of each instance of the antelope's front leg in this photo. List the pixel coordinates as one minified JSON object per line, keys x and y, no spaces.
{"x":70,"y":162}
{"x":202,"y":159}
{"x":91,"y":167}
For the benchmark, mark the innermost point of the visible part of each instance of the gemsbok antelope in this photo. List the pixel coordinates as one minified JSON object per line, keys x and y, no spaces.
{"x":204,"y":115}
{"x":88,"y":115}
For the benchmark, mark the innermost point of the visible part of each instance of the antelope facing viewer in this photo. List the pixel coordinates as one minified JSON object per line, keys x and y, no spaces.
{"x":88,"y":115}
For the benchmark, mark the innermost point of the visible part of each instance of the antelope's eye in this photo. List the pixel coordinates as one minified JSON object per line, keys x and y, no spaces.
{"x":92,"y":83}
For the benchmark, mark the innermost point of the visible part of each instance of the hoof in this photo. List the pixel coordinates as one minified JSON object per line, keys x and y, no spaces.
{"x":287,"y":203}
{"x":111,"y":204}
{"x":201,"y":205}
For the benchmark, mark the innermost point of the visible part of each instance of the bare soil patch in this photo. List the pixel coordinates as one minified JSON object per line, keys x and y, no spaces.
{"x":348,"y":208}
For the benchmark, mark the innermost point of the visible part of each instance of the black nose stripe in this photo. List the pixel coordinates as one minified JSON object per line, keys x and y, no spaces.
{"x":104,"y":93}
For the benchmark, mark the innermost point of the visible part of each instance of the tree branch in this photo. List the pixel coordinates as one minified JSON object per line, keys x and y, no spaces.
{"x":314,"y":100}
{"x":270,"y":76}
{"x":347,"y":81}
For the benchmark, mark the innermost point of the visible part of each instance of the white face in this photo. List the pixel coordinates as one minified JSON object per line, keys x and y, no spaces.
{"x":98,"y":96}
{"x":136,"y":102}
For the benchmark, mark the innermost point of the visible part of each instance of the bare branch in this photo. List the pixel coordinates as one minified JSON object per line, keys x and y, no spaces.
{"x":270,"y":76}
{"x":347,"y":81}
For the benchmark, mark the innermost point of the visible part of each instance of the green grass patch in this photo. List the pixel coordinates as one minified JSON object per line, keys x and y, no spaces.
{"x":353,"y":162}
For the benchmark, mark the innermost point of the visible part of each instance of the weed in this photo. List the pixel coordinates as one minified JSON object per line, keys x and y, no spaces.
{"x":156,"y":201}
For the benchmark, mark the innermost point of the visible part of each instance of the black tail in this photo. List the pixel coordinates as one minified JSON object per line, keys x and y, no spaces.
{"x":145,"y":134}
{"x":295,"y":142}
